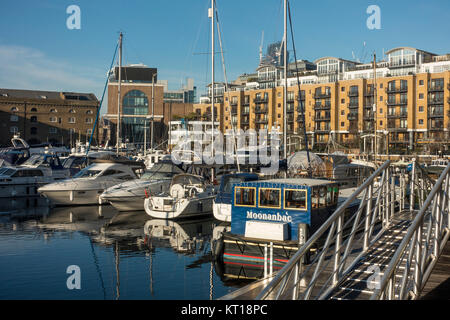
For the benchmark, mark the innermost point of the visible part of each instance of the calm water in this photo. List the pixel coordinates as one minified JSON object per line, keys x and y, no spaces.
{"x":120,"y":255}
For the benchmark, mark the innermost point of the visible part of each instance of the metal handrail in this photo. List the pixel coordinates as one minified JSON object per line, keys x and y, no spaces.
{"x":336,"y":223}
{"x":411,"y":246}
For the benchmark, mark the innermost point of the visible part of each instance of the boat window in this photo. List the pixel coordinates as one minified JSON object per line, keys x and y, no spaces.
{"x":87,"y":173}
{"x":28,"y":173}
{"x":330,"y":196}
{"x":269,"y":197}
{"x":322,"y":196}
{"x":245,"y":196}
{"x":315,"y":198}
{"x":110,"y":172}
{"x":295,"y":199}
{"x":6,"y":171}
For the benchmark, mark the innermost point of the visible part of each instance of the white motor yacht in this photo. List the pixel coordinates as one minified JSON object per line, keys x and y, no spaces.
{"x":189,"y":196}
{"x":24,"y":180}
{"x":130,"y":195}
{"x":88,"y":184}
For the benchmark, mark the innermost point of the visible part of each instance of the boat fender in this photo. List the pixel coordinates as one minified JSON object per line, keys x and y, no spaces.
{"x":217,"y":248}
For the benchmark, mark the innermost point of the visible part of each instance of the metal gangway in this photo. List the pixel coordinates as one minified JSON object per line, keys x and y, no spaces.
{"x":385,"y":250}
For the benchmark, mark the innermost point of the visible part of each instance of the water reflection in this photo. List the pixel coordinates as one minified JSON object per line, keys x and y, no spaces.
{"x":122,"y":255}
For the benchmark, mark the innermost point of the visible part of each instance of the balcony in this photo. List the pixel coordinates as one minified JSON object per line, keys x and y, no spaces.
{"x":290,"y":98}
{"x":264,"y":99}
{"x":234,"y":110}
{"x":434,"y":88}
{"x":319,"y":106}
{"x":435,"y":101}
{"x":322,"y":118}
{"x":233,"y":103}
{"x":352,"y":116}
{"x":245,"y":111}
{"x":261,"y":110}
{"x":397,"y":103}
{"x":368,"y":115}
{"x":261,"y":121}
{"x":353,"y":105}
{"x":396,"y":89}
{"x":290,"y":109}
{"x":397,"y":115}
{"x":322,"y":130}
{"x":246,"y":103}
{"x":369,"y":92}
{"x":322,"y":95}
{"x":353,"y":93}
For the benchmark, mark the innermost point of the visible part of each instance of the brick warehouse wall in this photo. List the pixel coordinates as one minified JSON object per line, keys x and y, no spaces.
{"x":38,"y":120}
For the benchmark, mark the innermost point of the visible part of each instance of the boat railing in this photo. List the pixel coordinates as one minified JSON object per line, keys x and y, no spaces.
{"x":314,"y":276}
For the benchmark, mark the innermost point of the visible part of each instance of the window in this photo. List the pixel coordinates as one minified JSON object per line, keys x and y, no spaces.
{"x":33,"y":110}
{"x":420,"y":82}
{"x":89,"y":120}
{"x":420,"y":121}
{"x":421,"y":109}
{"x":245,"y":196}
{"x":53,"y":119}
{"x":420,"y":95}
{"x":295,"y":199}
{"x":13,"y":129}
{"x":88,"y":132}
{"x":342,"y":101}
{"x":269,"y":198}
{"x":14,"y":118}
{"x":14,"y":109}
{"x":342,"y":124}
{"x":33,"y":119}
{"x":53,"y":110}
{"x":89,"y":112}
{"x":71,"y":120}
{"x":52,"y":130}
{"x":381,"y":98}
{"x":342,"y":89}
{"x":381,"y":122}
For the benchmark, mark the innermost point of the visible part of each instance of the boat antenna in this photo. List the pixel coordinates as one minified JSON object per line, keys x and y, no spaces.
{"x":300,"y":103}
{"x":101,"y":101}
{"x":118,"y":93}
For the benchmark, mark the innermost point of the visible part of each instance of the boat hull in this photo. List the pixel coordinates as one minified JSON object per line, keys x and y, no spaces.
{"x":73,"y":197}
{"x":125,"y":203}
{"x":222,"y":211}
{"x":186,"y":208}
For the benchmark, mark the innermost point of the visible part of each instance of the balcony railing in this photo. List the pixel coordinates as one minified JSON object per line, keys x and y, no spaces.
{"x":353,"y":93}
{"x":352,"y":116}
{"x":319,"y":106}
{"x":322,"y":130}
{"x":262,"y":120}
{"x":434,"y":88}
{"x":396,"y":89}
{"x":233,"y":103}
{"x":397,"y":115}
{"x":261,"y":99}
{"x":368,"y":115}
{"x":353,"y":105}
{"x":436,"y":101}
{"x":261,"y":110}
{"x":369,"y":92}
{"x":234,"y":110}
{"x":397,"y":103}
{"x":322,"y":95}
{"x":322,"y":118}
{"x":245,"y":111}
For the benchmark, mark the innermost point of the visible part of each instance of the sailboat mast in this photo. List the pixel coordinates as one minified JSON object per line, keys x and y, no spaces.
{"x":285,"y":82}
{"x":211,"y":14}
{"x":118,"y":93}
{"x":375,"y":105}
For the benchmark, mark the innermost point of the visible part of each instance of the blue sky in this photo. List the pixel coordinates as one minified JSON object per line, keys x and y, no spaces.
{"x":38,"y":51}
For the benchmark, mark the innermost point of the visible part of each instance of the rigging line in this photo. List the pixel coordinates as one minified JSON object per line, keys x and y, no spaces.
{"x":299,"y":91}
{"x":101,"y":101}
{"x":98,"y":268}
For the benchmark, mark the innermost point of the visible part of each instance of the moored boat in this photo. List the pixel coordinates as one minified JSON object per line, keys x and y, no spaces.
{"x":189,"y":196}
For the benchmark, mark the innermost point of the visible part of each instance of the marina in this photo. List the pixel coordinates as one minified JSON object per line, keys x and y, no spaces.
{"x":302,"y":180}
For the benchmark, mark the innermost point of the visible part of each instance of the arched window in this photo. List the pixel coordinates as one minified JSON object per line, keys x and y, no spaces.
{"x":135,"y":102}
{"x":71,"y":111}
{"x":14,"y":109}
{"x":33,"y":110}
{"x":53,"y":110}
{"x":89,"y":112}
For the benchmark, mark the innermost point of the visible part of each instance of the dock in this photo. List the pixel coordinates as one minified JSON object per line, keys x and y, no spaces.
{"x":395,"y":247}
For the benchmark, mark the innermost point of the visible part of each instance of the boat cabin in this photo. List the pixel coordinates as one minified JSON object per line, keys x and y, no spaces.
{"x":274,"y":209}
